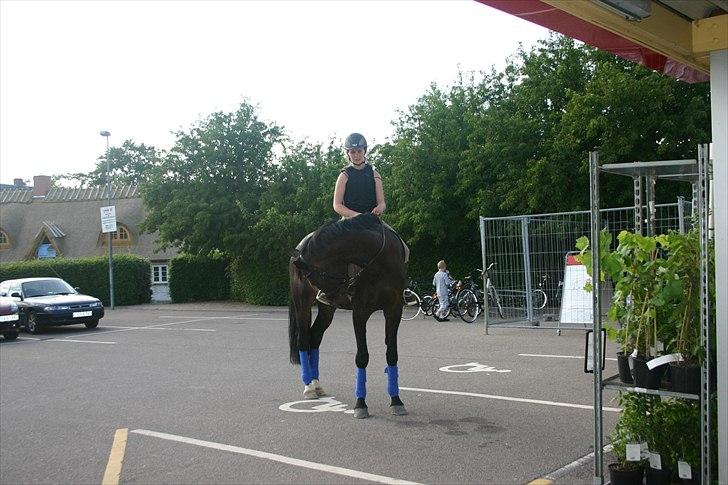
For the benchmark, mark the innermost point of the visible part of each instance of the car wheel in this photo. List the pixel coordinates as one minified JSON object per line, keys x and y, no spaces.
{"x":32,"y":324}
{"x":92,"y":324}
{"x":11,"y":335}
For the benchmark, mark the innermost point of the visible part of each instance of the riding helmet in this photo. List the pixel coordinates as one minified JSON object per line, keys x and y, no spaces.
{"x":354,"y":141}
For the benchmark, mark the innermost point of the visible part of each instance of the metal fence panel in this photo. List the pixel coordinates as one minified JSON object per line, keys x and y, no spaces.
{"x":530,"y":253}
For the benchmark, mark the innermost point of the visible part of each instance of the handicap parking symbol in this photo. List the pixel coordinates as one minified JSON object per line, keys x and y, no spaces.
{"x":320,"y":405}
{"x":471,"y":367}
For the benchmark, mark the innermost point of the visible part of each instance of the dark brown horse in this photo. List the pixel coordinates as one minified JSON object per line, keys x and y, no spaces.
{"x":365,"y":259}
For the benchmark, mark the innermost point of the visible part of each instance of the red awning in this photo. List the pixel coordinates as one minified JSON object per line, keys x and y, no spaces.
{"x":540,"y":13}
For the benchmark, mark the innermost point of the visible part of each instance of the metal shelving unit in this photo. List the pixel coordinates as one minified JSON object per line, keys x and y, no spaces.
{"x":644,"y":176}
{"x":615,"y":384}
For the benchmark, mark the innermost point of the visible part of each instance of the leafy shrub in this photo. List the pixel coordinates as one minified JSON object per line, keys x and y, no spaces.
{"x":260,"y":282}
{"x":132,"y":283}
{"x":199,"y":278}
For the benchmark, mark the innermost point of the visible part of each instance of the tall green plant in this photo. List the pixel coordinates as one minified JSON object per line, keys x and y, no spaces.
{"x":682,"y":282}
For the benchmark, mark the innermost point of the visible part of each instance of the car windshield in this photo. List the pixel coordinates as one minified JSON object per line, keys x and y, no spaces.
{"x":46,"y":287}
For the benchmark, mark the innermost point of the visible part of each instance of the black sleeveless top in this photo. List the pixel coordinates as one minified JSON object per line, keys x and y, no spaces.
{"x":360,"y":194}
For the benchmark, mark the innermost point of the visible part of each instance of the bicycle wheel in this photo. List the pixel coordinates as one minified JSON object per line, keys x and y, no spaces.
{"x":436,"y":309}
{"x":427,"y":305}
{"x":453,"y":307}
{"x":468,"y":306}
{"x":412,"y":305}
{"x":539,"y":299}
{"x":494,"y":301}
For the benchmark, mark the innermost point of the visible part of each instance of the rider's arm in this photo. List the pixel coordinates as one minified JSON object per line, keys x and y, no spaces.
{"x":379,"y":190}
{"x":339,"y":192}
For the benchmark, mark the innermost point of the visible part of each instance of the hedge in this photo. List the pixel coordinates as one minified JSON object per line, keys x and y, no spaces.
{"x":199,"y":278}
{"x":260,"y":282}
{"x":132,"y":281}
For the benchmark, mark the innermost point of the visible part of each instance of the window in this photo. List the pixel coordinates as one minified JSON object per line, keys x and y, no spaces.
{"x":120,"y":237}
{"x":45,"y":249}
{"x":121,"y":234}
{"x":159,"y":273}
{"x":4,"y":240}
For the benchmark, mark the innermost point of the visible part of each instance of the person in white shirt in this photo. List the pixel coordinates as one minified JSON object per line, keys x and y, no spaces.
{"x":441,"y":281}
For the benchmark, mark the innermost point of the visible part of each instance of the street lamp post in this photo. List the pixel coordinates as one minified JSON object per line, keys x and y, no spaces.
{"x":107,"y":134}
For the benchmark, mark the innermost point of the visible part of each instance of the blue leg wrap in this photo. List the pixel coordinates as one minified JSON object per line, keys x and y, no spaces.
{"x":392,"y":380}
{"x":361,"y":383}
{"x":313,"y":362}
{"x":305,"y":367}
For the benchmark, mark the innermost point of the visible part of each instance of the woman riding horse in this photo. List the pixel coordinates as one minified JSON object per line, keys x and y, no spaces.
{"x":322,"y":262}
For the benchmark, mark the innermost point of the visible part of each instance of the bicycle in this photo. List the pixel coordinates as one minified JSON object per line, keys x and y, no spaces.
{"x":412,"y":303}
{"x":538,"y":296}
{"x":471,"y":299}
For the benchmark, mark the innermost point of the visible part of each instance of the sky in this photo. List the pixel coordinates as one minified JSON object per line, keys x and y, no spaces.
{"x":145,"y":69}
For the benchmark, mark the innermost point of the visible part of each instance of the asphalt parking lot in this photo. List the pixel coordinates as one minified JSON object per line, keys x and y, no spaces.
{"x":204,"y":393}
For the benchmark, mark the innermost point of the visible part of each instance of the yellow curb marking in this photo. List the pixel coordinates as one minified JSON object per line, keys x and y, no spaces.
{"x":116,"y":458}
{"x":540,"y":481}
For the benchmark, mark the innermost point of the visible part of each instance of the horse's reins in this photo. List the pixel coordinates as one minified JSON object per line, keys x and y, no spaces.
{"x":349,"y":281}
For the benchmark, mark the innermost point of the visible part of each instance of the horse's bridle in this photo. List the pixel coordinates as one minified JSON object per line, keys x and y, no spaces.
{"x":349,"y":282}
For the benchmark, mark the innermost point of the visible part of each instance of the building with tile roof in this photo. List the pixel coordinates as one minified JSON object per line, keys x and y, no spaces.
{"x":50,"y":222}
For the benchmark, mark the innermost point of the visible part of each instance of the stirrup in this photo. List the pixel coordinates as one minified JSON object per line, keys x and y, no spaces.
{"x":322,"y":297}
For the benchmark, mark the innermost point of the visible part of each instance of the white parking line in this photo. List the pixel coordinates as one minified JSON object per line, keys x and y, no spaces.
{"x":250,"y":317}
{"x":36,"y":339}
{"x":508,"y":398}
{"x":77,"y":341}
{"x":163,"y":328}
{"x":148,"y":327}
{"x":279,"y":458}
{"x":561,"y":356}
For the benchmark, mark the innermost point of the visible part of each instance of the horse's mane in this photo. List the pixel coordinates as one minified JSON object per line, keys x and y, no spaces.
{"x":331,"y":231}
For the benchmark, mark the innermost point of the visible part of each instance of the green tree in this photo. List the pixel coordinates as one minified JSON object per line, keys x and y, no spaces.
{"x":205,"y":194}
{"x":298,"y":200}
{"x":129,"y":164}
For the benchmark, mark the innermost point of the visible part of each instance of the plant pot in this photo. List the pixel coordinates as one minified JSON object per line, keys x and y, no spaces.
{"x":628,"y":476}
{"x":644,"y":377}
{"x":625,"y":374}
{"x":685,"y":378}
{"x":696,"y":480}
{"x":658,"y":477}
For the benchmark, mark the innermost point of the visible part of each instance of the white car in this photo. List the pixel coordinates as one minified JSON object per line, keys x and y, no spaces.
{"x":9,"y":318}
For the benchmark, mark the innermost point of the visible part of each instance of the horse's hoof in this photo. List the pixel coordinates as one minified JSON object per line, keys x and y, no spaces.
{"x":309,"y":392}
{"x":398,"y":410}
{"x":361,"y":413}
{"x":319,"y":389}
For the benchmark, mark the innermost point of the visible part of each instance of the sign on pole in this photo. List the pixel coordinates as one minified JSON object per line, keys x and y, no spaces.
{"x":108,"y":219}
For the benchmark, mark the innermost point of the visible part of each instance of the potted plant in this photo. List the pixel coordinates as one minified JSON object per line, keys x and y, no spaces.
{"x":681,"y":436}
{"x":621,"y":332}
{"x":633,"y":268}
{"x":628,"y":432}
{"x":659,"y":438}
{"x":682,"y":329}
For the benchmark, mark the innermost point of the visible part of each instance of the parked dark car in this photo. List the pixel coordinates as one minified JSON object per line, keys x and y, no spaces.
{"x":51,"y":302}
{"x":9,"y":318}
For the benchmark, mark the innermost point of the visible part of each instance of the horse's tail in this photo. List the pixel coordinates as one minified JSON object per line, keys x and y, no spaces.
{"x":293,"y":333}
